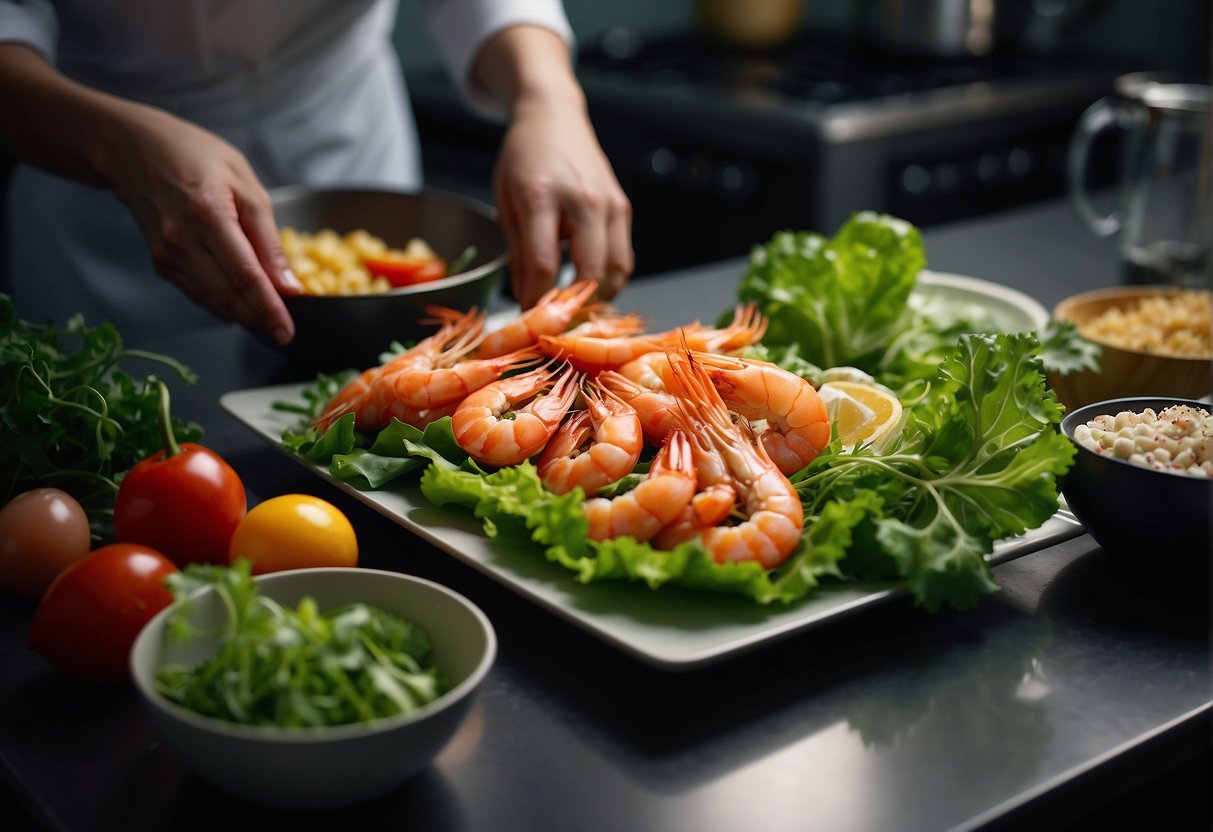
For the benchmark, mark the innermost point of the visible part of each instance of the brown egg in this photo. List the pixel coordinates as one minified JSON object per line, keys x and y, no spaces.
{"x":42,"y":532}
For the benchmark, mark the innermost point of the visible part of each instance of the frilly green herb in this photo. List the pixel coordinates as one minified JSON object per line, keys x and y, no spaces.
{"x":70,"y":418}
{"x":296,"y":668}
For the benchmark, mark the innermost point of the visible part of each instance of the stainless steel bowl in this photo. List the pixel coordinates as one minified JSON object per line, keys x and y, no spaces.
{"x":336,"y":332}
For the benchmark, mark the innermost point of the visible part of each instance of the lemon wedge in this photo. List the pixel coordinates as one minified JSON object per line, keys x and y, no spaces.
{"x":860,"y":413}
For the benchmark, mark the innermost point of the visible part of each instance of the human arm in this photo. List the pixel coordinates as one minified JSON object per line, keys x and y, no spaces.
{"x":552,"y":180}
{"x":206,"y":219}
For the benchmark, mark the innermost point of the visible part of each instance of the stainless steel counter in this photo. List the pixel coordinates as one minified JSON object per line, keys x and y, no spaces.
{"x":1071,"y":686}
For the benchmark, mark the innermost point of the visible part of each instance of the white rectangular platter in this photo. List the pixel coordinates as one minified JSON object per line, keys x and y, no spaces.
{"x":670,"y":628}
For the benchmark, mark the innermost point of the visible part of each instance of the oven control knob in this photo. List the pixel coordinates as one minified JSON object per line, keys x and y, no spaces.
{"x":989,"y":169}
{"x":661,"y":163}
{"x":695,"y":172}
{"x":1020,"y":163}
{"x":734,"y":180}
{"x":946,"y":178}
{"x":915,"y":180}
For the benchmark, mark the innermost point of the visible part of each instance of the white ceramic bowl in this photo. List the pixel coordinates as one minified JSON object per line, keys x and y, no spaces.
{"x":315,"y":768}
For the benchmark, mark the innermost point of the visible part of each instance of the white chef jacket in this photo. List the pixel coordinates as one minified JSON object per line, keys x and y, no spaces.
{"x":309,"y":90}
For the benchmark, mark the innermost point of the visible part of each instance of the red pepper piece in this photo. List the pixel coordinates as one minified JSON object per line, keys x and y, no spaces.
{"x":406,"y":271}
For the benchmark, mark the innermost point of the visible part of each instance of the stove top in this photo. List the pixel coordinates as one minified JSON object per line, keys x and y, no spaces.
{"x":846,"y":89}
{"x":718,"y":147}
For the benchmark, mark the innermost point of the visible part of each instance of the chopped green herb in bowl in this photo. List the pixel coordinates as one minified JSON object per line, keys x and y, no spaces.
{"x":297,"y":666}
{"x":312,"y":687}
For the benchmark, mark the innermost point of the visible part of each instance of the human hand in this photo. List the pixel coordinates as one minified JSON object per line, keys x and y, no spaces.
{"x":552,"y":183}
{"x":208,"y":222}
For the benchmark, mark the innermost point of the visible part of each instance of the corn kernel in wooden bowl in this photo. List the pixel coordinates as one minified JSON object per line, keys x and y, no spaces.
{"x":1171,"y":323}
{"x":1154,"y":341}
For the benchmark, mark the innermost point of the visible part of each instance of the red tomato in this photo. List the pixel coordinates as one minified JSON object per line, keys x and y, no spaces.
{"x":88,"y":619}
{"x":186,"y":505}
{"x":406,"y":271}
{"x":41,"y":532}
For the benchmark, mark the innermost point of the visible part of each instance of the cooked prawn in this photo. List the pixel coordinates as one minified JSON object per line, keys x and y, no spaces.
{"x":716,"y":494}
{"x":709,"y":507}
{"x":372,"y":397}
{"x":658,"y":410}
{"x":798,"y":427}
{"x":651,"y":505}
{"x":774,"y":515}
{"x":437,"y":385}
{"x":594,"y":354}
{"x":605,"y":324}
{"x":646,"y":369}
{"x":551,"y":315}
{"x":613,"y":427}
{"x":510,"y":420}
{"x":747,"y":327}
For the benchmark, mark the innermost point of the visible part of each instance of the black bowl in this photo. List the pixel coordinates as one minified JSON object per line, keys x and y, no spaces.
{"x":1153,"y":522}
{"x":336,"y":332}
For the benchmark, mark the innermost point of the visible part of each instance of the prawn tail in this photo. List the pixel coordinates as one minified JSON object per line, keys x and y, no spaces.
{"x":708,"y":508}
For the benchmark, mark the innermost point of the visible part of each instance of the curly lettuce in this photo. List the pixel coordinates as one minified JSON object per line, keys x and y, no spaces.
{"x":849,"y":301}
{"x":978,"y":460}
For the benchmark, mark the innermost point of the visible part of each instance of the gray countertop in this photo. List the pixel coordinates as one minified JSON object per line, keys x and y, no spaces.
{"x":1071,"y":685}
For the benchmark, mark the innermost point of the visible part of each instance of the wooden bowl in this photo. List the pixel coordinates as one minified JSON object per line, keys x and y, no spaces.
{"x":1125,"y":372}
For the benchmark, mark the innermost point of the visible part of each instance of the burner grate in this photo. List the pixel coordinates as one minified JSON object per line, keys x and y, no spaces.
{"x":809,"y":69}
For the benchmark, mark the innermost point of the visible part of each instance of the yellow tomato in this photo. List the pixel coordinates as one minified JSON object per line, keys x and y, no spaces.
{"x":294,"y":531}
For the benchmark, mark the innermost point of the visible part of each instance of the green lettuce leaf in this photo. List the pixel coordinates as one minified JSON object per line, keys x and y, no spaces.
{"x":339,"y":438}
{"x":840,"y":300}
{"x":513,"y":504}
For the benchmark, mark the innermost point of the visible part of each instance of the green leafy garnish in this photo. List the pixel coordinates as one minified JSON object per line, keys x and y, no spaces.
{"x":297,"y":668}
{"x":1064,"y":351}
{"x":460,"y":262}
{"x":70,"y":417}
{"x":977,"y":461}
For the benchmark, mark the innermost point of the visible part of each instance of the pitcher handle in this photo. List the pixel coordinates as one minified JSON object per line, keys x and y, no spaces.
{"x":1100,"y":116}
